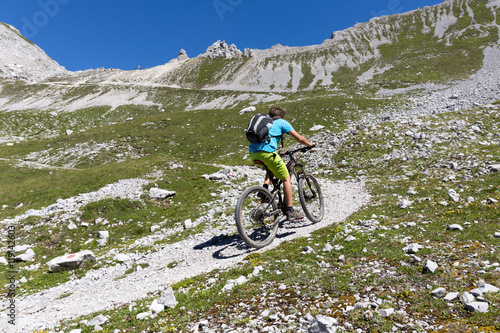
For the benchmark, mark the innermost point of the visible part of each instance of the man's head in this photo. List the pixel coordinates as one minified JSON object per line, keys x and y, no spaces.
{"x":277,"y":112}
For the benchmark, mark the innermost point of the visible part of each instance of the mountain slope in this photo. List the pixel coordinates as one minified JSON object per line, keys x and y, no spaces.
{"x":21,"y":59}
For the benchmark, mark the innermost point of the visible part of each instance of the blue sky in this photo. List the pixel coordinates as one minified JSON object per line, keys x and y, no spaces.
{"x":83,"y":34}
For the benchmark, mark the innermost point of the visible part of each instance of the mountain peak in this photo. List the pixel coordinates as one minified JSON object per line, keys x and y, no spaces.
{"x":21,"y":59}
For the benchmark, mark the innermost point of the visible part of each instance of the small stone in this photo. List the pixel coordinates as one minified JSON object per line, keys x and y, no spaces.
{"x":103,"y":234}
{"x":188,"y":224}
{"x":467,"y":297}
{"x":307,"y":250}
{"x":328,"y":248}
{"x":156,"y":307}
{"x":350,"y":238}
{"x":143,"y":315}
{"x":451,"y":296}
{"x":453,"y":195}
{"x":412,"y":248}
{"x":323,"y":324}
{"x":121,"y":257}
{"x":477,"y":307}
{"x":430,"y":266}
{"x":99,"y":320}
{"x":455,"y":227}
{"x":157,"y":193}
{"x":26,"y":256}
{"x":72,"y":226}
{"x":487,"y":288}
{"x":168,"y":298}
{"x":386,"y":312}
{"x":476,"y":292}
{"x":439,"y":292}
{"x":404,"y":203}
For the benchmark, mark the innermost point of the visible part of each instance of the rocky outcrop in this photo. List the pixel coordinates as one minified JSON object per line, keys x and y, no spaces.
{"x":220,"y":49}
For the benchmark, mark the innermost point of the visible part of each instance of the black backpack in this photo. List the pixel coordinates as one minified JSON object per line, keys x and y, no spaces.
{"x":258,"y":128}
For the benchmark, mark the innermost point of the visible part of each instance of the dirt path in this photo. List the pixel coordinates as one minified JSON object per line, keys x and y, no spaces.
{"x":100,"y":290}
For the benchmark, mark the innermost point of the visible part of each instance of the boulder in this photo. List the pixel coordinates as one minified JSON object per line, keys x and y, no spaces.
{"x":70,"y":261}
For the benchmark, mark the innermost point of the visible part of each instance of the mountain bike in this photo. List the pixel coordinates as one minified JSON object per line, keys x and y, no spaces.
{"x":260,"y":211}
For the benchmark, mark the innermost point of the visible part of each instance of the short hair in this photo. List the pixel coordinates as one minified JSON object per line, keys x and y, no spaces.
{"x":277,"y":112}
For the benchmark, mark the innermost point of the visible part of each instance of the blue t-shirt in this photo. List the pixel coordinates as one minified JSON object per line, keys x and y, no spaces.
{"x":280,"y":127}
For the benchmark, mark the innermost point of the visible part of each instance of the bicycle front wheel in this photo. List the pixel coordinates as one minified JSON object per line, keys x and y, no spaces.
{"x":311,"y":198}
{"x":257,"y":217}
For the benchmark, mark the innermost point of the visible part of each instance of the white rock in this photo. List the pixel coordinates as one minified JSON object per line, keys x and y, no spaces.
{"x":121,"y":257}
{"x":168,"y":298}
{"x":404,"y":203}
{"x":26,"y":256}
{"x":70,"y":261}
{"x":156,"y":307}
{"x":450,"y":296}
{"x":317,"y":128}
{"x":157,"y":193}
{"x":412,"y":248}
{"x":430,"y":266}
{"x":143,"y":315}
{"x":455,"y":227}
{"x":477,"y":307}
{"x":103,"y":234}
{"x":467,"y":297}
{"x":99,"y":320}
{"x":323,"y":324}
{"x":487,"y":288}
{"x":72,"y":226}
{"x":386,"y":312}
{"x":328,"y":248}
{"x":454,"y":196}
{"x":439,"y":292}
{"x":188,"y":224}
{"x":246,"y":110}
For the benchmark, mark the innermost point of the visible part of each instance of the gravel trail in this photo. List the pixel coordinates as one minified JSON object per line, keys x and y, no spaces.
{"x":100,"y":290}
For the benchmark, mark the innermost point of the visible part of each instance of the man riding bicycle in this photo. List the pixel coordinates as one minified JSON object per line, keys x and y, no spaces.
{"x":266,"y":152}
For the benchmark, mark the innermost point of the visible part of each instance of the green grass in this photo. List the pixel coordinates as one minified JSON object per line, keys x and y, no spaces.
{"x":318,"y":283}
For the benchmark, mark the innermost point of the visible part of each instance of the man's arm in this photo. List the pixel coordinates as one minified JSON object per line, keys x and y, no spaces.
{"x":300,"y":138}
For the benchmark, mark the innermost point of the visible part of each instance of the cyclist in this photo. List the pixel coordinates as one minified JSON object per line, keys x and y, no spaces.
{"x":266,"y":152}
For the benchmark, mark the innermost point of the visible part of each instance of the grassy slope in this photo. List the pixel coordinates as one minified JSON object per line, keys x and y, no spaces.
{"x":159,"y":138}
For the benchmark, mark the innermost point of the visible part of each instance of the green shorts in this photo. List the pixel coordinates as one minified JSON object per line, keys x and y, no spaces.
{"x":273,"y":162}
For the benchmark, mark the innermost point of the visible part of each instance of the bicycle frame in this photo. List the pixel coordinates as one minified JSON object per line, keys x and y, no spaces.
{"x":295,"y":168}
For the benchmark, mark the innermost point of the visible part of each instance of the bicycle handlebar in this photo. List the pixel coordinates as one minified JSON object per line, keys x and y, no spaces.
{"x":303,"y":149}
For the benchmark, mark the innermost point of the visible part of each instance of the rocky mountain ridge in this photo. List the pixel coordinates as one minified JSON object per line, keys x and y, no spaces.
{"x":23,"y":60}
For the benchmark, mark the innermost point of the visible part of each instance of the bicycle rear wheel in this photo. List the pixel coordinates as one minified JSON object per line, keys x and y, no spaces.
{"x":256,"y":217}
{"x":311,"y":198}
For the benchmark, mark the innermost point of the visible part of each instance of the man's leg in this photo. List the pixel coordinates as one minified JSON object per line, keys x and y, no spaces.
{"x":291,"y":214}
{"x":287,"y":190}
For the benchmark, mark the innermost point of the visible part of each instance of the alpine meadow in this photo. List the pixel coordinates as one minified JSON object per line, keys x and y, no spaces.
{"x":118,"y":188}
